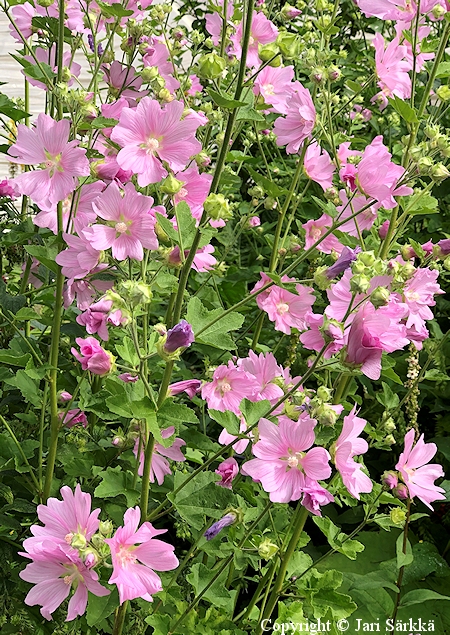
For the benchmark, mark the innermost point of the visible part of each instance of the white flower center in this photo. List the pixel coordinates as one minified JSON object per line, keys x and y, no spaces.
{"x":251,"y":41}
{"x":316,"y":232}
{"x":152,"y":145}
{"x":182,"y":193}
{"x":282,"y":308}
{"x":412,"y":296}
{"x":269,"y":89}
{"x":121,"y":228}
{"x":292,"y":461}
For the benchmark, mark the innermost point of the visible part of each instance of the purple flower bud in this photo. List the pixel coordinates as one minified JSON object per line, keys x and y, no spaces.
{"x":215,"y":528}
{"x":444,"y":246}
{"x":189,"y":386}
{"x":390,"y":479}
{"x":128,"y":378}
{"x":90,"y":39}
{"x":401,"y":492}
{"x":100,"y":50}
{"x":343,"y":262}
{"x":180,"y":336}
{"x":383,"y":230}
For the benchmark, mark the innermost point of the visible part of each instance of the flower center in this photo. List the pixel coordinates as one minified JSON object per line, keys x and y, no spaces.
{"x":269,"y":89}
{"x":224,"y":386}
{"x":316,"y":232}
{"x":121,"y":227}
{"x":125,"y":556}
{"x":295,"y":460}
{"x":412,"y":296}
{"x":282,"y":308}
{"x":182,"y":193}
{"x":251,"y":41}
{"x":152,"y":145}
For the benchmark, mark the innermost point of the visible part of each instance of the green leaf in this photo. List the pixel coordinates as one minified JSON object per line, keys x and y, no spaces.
{"x":144,"y":409}
{"x":127,"y":351}
{"x":167,"y":227}
{"x":103,"y":122}
{"x":249,"y":114}
{"x":227,"y":420}
{"x":403,"y":109}
{"x":186,"y":225}
{"x":217,"y":334}
{"x":354,"y":86}
{"x":253,"y":411}
{"x":10,"y":110}
{"x":403,"y":559}
{"x":116,"y":9}
{"x":115,"y":481}
{"x":13,"y":359}
{"x":99,"y":608}
{"x":27,"y":386}
{"x":417,"y":596}
{"x":45,"y":254}
{"x":421,"y":203}
{"x":443,"y":69}
{"x":225,"y":101}
{"x":337,"y":540}
{"x":200,"y":576}
{"x":199,"y":498}
{"x":10,"y":302}
{"x":272,"y":189}
{"x":388,"y":399}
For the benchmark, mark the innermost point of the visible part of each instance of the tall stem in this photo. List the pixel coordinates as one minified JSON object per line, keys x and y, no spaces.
{"x":302,"y":515}
{"x":402,"y":569}
{"x":145,"y":487}
{"x":57,"y":316}
{"x":120,"y":618}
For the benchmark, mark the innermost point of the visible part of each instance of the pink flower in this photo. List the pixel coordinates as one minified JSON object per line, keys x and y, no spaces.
{"x":214,"y":21}
{"x":190,"y":386}
{"x":124,"y":82}
{"x":64,"y":520}
{"x":48,"y":56}
{"x":363,"y":221}
{"x":160,"y":466}
{"x":227,"y":470}
{"x":388,"y":9}
{"x":92,"y":356}
{"x":315,"y":229}
{"x":347,"y":446}
{"x":230,"y":385}
{"x":313,"y":339}
{"x":263,"y":31}
{"x":298,"y":125}
{"x":203,"y":260}
{"x":128,"y":378}
{"x":151,"y":134}
{"x":73,"y":418}
{"x":392,"y":67}
{"x":275,"y":86}
{"x":7,"y":189}
{"x":54,"y":571}
{"x":130,"y":223}
{"x":318,"y":165}
{"x":48,"y":144}
{"x":264,"y":369}
{"x":282,"y":462}
{"x":136,"y":555}
{"x":371,"y":332}
{"x":94,"y":319}
{"x":85,"y":290}
{"x":315,"y":496}
{"x":418,"y":296}
{"x":194,"y":190}
{"x":79,"y":212}
{"x":378,"y":177}
{"x":416,"y":474}
{"x":80,"y":258}
{"x":287,"y":309}
{"x":196,"y":86}
{"x":158,"y":56}
{"x":254,"y":221}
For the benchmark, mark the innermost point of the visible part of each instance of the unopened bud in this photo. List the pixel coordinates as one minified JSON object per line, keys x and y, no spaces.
{"x":171,"y":185}
{"x":268,"y":51}
{"x":401,"y":492}
{"x":211,"y":66}
{"x":359,"y":284}
{"x":390,"y":479}
{"x":267,"y":549}
{"x":438,"y":11}
{"x":439,"y":173}
{"x":217,"y":207}
{"x":380,"y":297}
{"x":398,"y":516}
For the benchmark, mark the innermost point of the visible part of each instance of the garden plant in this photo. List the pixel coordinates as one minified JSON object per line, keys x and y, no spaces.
{"x":224,"y":352}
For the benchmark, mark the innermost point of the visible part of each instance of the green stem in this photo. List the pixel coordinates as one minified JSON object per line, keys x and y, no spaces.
{"x":220,"y":570}
{"x":341,"y":389}
{"x":120,"y":618}
{"x":22,"y":453}
{"x":41,"y":435}
{"x":302,"y":515}
{"x":145,"y":486}
{"x":402,"y":569}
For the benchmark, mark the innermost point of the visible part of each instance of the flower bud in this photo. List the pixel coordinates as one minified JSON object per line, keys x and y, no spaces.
{"x":389,"y":425}
{"x":211,"y":66}
{"x":334,"y":73}
{"x":368,"y":258}
{"x":90,"y":557}
{"x":389,"y":439}
{"x":106,"y":528}
{"x":270,"y":203}
{"x":424,"y":165}
{"x":136,"y":293}
{"x":432,"y":131}
{"x":443,"y":92}
{"x":380,"y":297}
{"x":318,"y":74}
{"x":324,"y":393}
{"x":78,"y":541}
{"x":398,"y":516}
{"x":202,"y":160}
{"x":289,"y":44}
{"x":359,"y":284}
{"x":217,"y":207}
{"x":401,"y":492}
{"x":438,"y":11}
{"x":171,"y":185}
{"x":325,"y":415}
{"x":268,"y":51}
{"x":149,"y":73}
{"x":165,"y":95}
{"x":439,"y":173}
{"x":267,"y":549}
{"x":390,"y":479}
{"x":180,"y":336}
{"x":226,"y":521}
